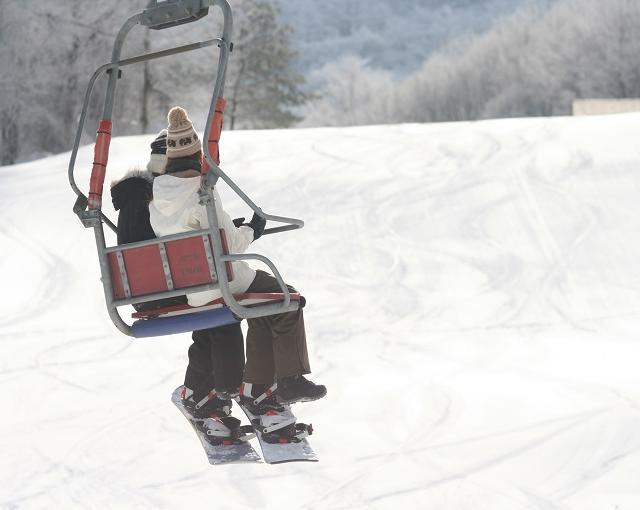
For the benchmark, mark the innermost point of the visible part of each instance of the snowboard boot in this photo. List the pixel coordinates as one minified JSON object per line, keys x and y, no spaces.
{"x":213,"y":415}
{"x":211,"y":403}
{"x":273,"y":421}
{"x":258,"y":398}
{"x":298,"y":388}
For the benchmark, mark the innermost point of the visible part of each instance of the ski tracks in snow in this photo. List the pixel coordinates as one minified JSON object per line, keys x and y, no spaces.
{"x":475,"y":331}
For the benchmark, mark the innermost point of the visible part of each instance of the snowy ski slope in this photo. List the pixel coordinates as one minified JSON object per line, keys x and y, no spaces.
{"x":472,"y":307}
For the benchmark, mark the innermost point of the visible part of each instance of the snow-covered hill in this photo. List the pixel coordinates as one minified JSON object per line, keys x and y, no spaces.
{"x":472,"y":307}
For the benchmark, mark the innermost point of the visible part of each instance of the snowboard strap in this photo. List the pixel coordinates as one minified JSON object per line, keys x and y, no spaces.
{"x":266,"y":394}
{"x":226,"y":410}
{"x":210,"y":396}
{"x":279,"y":425}
{"x":301,"y":431}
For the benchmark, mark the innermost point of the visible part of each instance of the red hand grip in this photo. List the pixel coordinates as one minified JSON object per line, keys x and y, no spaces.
{"x":100,"y":158}
{"x":214,"y":134}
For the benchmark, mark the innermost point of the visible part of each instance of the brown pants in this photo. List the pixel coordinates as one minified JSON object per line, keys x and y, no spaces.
{"x":277,"y":344}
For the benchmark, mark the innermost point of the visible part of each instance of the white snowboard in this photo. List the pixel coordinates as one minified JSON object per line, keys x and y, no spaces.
{"x":280,"y":453}
{"x":221,"y":454}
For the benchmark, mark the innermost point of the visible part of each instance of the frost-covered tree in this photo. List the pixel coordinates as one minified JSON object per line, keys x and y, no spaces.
{"x":263,"y":89}
{"x":533,"y":63}
{"x":48,"y":54}
{"x":50,"y":50}
{"x":352,"y":95}
{"x":396,"y":35}
{"x":9,"y":105}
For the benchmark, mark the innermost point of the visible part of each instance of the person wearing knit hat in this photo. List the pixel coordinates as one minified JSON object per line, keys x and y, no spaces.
{"x":175,"y":207}
{"x":131,"y":195}
{"x":276,"y":345}
{"x":216,"y":356}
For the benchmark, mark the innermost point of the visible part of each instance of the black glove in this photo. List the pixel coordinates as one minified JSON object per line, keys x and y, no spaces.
{"x":257,"y":223}
{"x":238,"y":222}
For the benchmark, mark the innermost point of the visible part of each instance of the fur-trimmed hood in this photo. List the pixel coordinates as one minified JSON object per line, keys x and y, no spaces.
{"x":135,"y":172}
{"x":135,"y":186}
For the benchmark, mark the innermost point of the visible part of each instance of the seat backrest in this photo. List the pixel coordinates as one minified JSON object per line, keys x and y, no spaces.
{"x":162,"y":266}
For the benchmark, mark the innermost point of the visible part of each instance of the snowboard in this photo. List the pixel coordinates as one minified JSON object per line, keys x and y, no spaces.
{"x":281,"y":453}
{"x":217,"y":454}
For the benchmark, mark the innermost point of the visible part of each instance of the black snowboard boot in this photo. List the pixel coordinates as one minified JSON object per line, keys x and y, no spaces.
{"x":272,"y":420}
{"x":212,"y":403}
{"x":213,"y":416}
{"x":259,"y":398}
{"x":297,"y":388}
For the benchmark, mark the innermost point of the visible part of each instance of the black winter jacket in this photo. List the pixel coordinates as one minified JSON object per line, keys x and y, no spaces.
{"x":131,"y":196}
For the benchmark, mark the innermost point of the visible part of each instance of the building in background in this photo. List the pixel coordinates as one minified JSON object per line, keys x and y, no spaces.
{"x":605,"y":106}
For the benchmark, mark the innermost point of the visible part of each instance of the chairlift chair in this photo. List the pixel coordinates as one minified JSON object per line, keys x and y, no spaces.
{"x":182,"y":263}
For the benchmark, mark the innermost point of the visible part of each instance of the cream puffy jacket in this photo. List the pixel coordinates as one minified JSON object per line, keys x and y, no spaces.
{"x":175,"y":209}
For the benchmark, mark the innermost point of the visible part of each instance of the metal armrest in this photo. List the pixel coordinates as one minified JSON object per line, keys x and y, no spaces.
{"x":252,"y":312}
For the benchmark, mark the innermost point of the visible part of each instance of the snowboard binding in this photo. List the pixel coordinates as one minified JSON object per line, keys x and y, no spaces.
{"x":238,"y":436}
{"x":212,"y":416}
{"x":273,"y":421}
{"x":291,"y":434}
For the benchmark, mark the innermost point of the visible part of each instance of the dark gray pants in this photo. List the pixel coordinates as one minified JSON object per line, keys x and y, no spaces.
{"x":216,"y":360}
{"x":277,"y":344}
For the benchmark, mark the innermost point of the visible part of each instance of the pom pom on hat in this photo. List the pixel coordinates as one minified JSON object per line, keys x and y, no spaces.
{"x":182,"y":139}
{"x":178,"y":118}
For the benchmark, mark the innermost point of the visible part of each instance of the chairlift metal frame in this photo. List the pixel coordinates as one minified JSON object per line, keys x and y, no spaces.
{"x":159,"y":15}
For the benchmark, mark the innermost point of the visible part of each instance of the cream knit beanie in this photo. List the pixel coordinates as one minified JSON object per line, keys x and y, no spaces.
{"x":182,"y":140}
